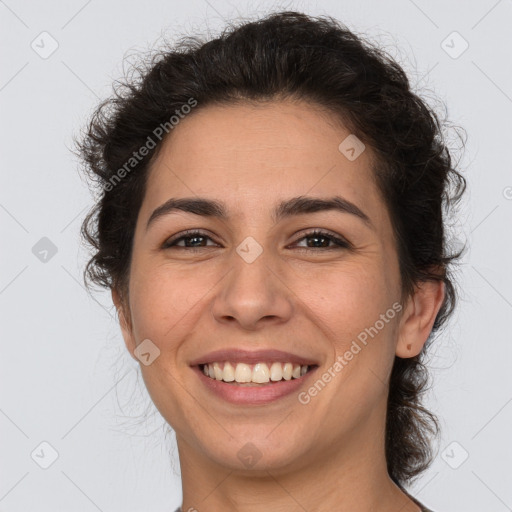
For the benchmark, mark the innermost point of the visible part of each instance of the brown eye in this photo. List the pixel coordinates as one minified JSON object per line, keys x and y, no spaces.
{"x":196,"y":238}
{"x":323,"y":239}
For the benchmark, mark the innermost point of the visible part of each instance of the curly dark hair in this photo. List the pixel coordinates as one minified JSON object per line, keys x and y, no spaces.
{"x":317,"y":59}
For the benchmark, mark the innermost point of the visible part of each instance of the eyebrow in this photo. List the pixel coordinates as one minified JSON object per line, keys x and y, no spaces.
{"x":300,"y":205}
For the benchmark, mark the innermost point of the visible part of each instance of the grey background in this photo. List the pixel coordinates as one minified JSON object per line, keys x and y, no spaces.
{"x":65,"y":376}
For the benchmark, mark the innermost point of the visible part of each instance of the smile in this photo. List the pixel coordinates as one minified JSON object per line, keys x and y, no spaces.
{"x":242,"y":390}
{"x":259,"y":373}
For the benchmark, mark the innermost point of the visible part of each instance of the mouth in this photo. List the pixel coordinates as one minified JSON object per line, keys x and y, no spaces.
{"x":254,"y":375}
{"x":244,"y":384}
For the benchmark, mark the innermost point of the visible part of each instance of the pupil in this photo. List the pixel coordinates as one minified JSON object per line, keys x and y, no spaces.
{"x":195,"y":238}
{"x":316,"y":238}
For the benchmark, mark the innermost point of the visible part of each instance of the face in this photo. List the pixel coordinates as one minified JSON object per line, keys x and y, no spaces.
{"x":253,"y":281}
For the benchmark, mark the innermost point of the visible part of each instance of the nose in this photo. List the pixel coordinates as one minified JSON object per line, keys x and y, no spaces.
{"x":253,"y":295}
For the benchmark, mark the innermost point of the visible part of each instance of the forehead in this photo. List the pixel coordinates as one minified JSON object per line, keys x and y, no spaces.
{"x":250,"y":156}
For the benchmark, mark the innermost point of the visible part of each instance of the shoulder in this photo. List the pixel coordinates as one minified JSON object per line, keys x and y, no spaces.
{"x":422,"y":507}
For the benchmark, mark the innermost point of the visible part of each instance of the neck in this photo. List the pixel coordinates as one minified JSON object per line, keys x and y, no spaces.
{"x":350,"y":477}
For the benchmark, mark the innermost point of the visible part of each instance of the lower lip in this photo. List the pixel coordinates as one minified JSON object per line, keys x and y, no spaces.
{"x":253,"y":395}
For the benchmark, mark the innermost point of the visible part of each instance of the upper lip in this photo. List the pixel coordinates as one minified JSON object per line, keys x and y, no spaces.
{"x":252,"y":356}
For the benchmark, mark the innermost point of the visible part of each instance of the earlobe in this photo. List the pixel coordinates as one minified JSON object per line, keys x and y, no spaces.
{"x":419,"y":317}
{"x":124,"y":323}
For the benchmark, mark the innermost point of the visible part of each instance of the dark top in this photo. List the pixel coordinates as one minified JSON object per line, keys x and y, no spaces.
{"x":423,"y":509}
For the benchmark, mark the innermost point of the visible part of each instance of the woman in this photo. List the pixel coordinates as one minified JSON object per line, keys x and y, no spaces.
{"x":271,"y":227}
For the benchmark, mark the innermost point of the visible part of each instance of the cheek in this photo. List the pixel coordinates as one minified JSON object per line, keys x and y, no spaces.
{"x":349,"y":296}
{"x":165,"y":300}
{"x":353,"y":305}
{"x":343,"y":298}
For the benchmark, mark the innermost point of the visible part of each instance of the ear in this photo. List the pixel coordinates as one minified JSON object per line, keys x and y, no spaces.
{"x":418,"y":317}
{"x":124,"y":322}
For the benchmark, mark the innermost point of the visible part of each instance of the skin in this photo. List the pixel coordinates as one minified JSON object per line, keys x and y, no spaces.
{"x":324,"y":455}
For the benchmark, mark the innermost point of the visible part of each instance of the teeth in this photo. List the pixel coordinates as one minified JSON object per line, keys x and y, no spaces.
{"x":276,"y":372}
{"x":217,"y":371}
{"x":287,"y":371}
{"x":243,"y":373}
{"x":229,"y":373}
{"x":259,"y":373}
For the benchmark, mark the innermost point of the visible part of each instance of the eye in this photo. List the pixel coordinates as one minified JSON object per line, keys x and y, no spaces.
{"x":319,"y":236}
{"x":193,"y":235}
{"x":196,"y":238}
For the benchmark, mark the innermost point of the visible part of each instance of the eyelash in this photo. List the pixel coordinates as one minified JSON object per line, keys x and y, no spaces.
{"x":341,"y":243}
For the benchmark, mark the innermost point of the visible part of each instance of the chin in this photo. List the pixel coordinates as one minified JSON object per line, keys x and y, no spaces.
{"x":254,"y":451}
